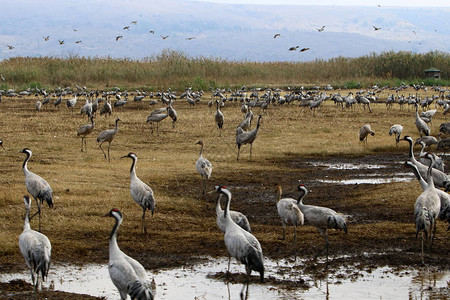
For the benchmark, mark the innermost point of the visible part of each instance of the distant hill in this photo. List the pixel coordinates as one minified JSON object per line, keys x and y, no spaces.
{"x":232,"y":32}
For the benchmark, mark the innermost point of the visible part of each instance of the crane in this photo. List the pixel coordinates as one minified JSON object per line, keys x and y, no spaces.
{"x":364,"y":133}
{"x":246,"y":137}
{"x":241,"y":244}
{"x":108,"y":136}
{"x":396,"y":130}
{"x":320,"y":217}
{"x":427,"y":208}
{"x":219,"y":118}
{"x":35,"y":248}
{"x":39,"y":189}
{"x":126,"y":273}
{"x":421,"y":126}
{"x":438,"y":162}
{"x":156,"y":118}
{"x":85,"y":130}
{"x":203,"y":166}
{"x":289,"y":213}
{"x":141,"y":193}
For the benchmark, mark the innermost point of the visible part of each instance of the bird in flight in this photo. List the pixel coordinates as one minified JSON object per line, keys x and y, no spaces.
{"x":190,"y":38}
{"x":10,"y":47}
{"x":134,"y":22}
{"x":321,"y":28}
{"x":61,"y":42}
{"x":75,"y":30}
{"x":276,"y":35}
{"x":126,"y":28}
{"x":293,"y":48}
{"x":304,"y":49}
{"x":46,"y":38}
{"x":77,"y":42}
{"x":376,"y":28}
{"x":152,"y":31}
{"x":118,"y":37}
{"x":414,"y":32}
{"x":164,"y":37}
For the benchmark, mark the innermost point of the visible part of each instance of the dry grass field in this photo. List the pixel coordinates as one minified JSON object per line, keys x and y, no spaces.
{"x":183,"y":227}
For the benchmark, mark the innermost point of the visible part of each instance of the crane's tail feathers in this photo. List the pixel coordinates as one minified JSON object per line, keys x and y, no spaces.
{"x":254,"y":261}
{"x":338,"y":221}
{"x":46,"y":195}
{"x":41,"y":262}
{"x":140,"y":291}
{"x":423,"y":222}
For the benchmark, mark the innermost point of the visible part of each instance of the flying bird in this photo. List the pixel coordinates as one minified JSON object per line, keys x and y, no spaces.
{"x":134,"y":22}
{"x":77,"y":42}
{"x":414,"y":32}
{"x":46,"y":38}
{"x":119,"y":37}
{"x":75,"y":30}
{"x":294,"y":48}
{"x":376,"y":28}
{"x":321,"y":28}
{"x":126,"y":28}
{"x":190,"y":38}
{"x":152,"y":31}
{"x":61,"y":42}
{"x":164,"y":37}
{"x":276,"y":35}
{"x":304,"y":49}
{"x":10,"y":47}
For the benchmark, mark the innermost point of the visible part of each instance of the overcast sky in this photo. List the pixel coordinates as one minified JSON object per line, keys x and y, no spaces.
{"x":415,"y":3}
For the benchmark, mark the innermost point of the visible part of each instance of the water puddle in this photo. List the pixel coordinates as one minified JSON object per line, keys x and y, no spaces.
{"x":204,"y":281}
{"x":368,"y":180}
{"x":346,"y":166}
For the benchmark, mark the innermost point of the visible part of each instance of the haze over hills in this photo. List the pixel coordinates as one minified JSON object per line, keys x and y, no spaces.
{"x":232,"y":32}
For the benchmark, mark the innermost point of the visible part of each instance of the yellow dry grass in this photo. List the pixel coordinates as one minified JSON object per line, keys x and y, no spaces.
{"x":86,"y":186}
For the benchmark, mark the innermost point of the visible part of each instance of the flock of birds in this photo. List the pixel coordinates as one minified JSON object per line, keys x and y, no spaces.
{"x":130,"y":277}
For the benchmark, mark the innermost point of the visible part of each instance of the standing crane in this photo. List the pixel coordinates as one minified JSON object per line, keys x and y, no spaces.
{"x":289,"y":213}
{"x":320,"y":217}
{"x":241,"y":244}
{"x":396,"y":130}
{"x":155,"y":117}
{"x":440,"y":178}
{"x":421,"y":126}
{"x":106,"y":109}
{"x":203,"y":166}
{"x":85,"y":130}
{"x":126,"y":273}
{"x":35,"y":248}
{"x":246,"y":137}
{"x":108,"y":135}
{"x":438,"y":162}
{"x":427,"y":208}
{"x":141,"y":193}
{"x":364,"y":133}
{"x":172,"y":114}
{"x":218,"y":117}
{"x":444,"y":213}
{"x":36,"y":186}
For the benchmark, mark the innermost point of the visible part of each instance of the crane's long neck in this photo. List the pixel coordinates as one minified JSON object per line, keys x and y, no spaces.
{"x":201,"y":150}
{"x":226,"y":213}
{"x":422,"y":182}
{"x":279,"y":191}
{"x":26,"y":225}
{"x":25,"y":162}
{"x":303,"y":193}
{"x":422,"y":151}
{"x":430,"y":175}
{"x":133,"y":167}
{"x":117,"y":126}
{"x":113,"y":246}
{"x":411,"y":152}
{"x":257,"y":124}
{"x":219,"y":210}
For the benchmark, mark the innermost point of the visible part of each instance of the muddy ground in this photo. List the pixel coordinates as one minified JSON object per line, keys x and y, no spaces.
{"x":380,"y":222}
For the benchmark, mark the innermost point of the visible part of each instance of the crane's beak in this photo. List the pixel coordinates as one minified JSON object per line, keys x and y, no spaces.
{"x":210,"y":192}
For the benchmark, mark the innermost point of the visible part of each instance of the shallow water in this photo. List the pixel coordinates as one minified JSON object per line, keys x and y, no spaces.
{"x":203,"y":281}
{"x":346,"y":166}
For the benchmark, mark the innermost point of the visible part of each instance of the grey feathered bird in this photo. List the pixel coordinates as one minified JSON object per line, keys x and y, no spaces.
{"x":36,"y":186}
{"x":364,"y":133}
{"x":126,"y":273}
{"x":172,"y":114}
{"x":396,"y":130}
{"x":421,"y":126}
{"x":156,"y":118}
{"x":85,"y":130}
{"x":289,"y":213}
{"x":438,"y":162}
{"x":320,"y":217}
{"x":106,"y":109}
{"x":35,"y":248}
{"x":241,"y":244}
{"x":427,"y":208}
{"x":71,"y":102}
{"x":108,"y":136}
{"x":218,"y":117}
{"x":246,"y":137}
{"x":203,"y":166}
{"x":141,"y":193}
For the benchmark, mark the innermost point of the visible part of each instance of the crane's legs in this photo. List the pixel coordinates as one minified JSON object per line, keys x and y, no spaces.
{"x":82,"y":138}
{"x":85,"y":144}
{"x":109,"y":146}
{"x":239,"y":148}
{"x":295,"y":242}
{"x":245,"y":286}
{"x":284,"y":231}
{"x":251,"y":151}
{"x":144,"y":228}
{"x":423,"y":262}
{"x":102,"y":149}
{"x":38,"y":212}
